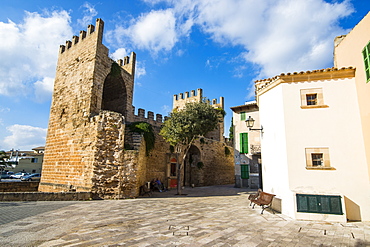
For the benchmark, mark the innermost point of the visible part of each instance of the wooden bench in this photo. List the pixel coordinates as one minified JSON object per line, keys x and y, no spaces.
{"x":264,"y":200}
{"x":252,"y":197}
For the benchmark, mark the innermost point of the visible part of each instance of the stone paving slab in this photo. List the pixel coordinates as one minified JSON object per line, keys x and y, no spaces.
{"x":206,"y":216}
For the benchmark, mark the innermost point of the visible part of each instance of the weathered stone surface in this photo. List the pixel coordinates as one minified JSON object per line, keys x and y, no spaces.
{"x":88,"y":138}
{"x":18,"y":187}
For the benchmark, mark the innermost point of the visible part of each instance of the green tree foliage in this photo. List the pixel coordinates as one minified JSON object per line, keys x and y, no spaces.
{"x":231,"y":130}
{"x":183,"y":126}
{"x":197,"y":119}
{"x":147,"y":130}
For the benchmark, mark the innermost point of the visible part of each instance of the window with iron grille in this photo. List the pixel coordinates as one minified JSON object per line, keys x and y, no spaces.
{"x":317,"y":159}
{"x":311,"y":99}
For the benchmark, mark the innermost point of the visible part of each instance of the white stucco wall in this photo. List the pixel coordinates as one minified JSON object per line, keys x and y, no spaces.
{"x":288,"y":130}
{"x":241,"y":127}
{"x":253,"y":137}
{"x":337,"y":127}
{"x":274,"y":152}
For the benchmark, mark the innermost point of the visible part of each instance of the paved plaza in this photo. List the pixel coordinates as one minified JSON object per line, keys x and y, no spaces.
{"x":205,"y":216}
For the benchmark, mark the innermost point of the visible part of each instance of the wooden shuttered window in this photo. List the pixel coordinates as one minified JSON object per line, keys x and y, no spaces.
{"x":366,"y":56}
{"x":244,"y":171}
{"x":321,"y":204}
{"x":243,"y":143}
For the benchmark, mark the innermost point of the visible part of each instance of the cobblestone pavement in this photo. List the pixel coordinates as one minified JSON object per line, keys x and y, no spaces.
{"x":206,"y":216}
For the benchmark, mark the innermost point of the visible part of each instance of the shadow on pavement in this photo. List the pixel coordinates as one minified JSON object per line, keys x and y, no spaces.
{"x":206,"y":191}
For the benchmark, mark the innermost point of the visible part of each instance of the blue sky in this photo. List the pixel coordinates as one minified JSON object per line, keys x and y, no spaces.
{"x":221,"y":46}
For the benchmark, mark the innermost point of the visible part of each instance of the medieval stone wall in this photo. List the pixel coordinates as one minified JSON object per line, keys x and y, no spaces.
{"x":218,"y":165}
{"x":158,"y":160}
{"x":91,"y":108}
{"x":108,"y":168}
{"x":82,"y":71}
{"x":140,"y":117}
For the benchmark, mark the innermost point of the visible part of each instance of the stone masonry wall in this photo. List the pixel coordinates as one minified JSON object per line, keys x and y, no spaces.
{"x":18,"y":187}
{"x":83,"y":66}
{"x":69,"y":148}
{"x":108,"y":170}
{"x":218,"y":166}
{"x":158,"y":160}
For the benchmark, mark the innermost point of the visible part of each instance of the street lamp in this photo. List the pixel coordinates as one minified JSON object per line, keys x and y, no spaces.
{"x":250,"y":122}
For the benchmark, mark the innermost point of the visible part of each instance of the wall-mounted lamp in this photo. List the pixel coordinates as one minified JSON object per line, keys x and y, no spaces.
{"x":250,"y":122}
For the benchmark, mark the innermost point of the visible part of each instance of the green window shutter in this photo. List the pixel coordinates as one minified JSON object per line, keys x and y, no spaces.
{"x":244,"y":171}
{"x":336,"y":205}
{"x":242,"y":116}
{"x":321,"y":204}
{"x":302,"y":203}
{"x":244,"y":143}
{"x":313,"y":204}
{"x":366,"y":56}
{"x":325,"y":204}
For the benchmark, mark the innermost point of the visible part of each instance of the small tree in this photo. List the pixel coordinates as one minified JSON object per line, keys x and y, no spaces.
{"x":231,"y":131}
{"x":183,"y":126}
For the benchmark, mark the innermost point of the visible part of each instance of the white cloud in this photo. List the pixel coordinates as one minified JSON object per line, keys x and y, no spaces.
{"x":140,"y":70}
{"x":44,"y":89}
{"x":120,"y":53}
{"x":4,"y":109}
{"x":24,"y":137}
{"x":89,"y":13}
{"x":154,"y":31}
{"x":29,"y":50}
{"x":276,"y":35}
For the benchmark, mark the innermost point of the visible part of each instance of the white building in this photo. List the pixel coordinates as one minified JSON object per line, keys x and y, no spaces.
{"x":316,"y":135}
{"x":247,"y":153}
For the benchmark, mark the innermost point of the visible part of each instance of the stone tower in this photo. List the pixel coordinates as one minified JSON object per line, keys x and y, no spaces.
{"x":180,"y":100}
{"x":92,"y":101}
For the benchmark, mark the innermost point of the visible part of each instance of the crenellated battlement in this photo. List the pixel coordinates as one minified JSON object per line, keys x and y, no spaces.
{"x":92,"y":30}
{"x":128,"y":63}
{"x":179,"y":100}
{"x":140,"y":117}
{"x":216,"y":104}
{"x":179,"y":97}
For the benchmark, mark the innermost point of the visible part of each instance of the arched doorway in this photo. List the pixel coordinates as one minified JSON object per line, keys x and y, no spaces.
{"x":114,"y":91}
{"x":193,"y":175}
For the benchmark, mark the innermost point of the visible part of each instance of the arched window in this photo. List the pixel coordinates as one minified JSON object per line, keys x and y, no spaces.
{"x":114,"y":91}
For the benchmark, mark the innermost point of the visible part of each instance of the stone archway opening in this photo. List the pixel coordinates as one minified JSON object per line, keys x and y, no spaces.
{"x":193,"y":173}
{"x":114,"y":91}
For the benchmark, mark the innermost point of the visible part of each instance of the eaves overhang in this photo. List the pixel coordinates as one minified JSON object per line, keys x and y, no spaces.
{"x":262,"y":86}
